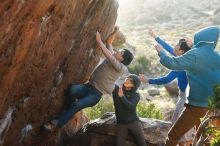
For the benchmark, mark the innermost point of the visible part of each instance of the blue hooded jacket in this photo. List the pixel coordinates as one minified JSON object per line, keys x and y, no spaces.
{"x":202,"y":64}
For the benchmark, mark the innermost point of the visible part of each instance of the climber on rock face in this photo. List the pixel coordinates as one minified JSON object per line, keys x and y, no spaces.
{"x":126,"y":99}
{"x":102,"y":81}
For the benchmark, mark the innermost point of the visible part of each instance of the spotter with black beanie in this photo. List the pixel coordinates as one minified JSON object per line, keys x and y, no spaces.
{"x":126,"y":99}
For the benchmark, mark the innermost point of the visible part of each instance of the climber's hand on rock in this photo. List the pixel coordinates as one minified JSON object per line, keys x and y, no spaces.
{"x":116,"y":28}
{"x":98,"y":37}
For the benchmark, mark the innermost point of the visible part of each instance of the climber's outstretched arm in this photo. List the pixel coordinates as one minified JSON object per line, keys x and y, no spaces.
{"x":111,"y":38}
{"x":107,"y":53}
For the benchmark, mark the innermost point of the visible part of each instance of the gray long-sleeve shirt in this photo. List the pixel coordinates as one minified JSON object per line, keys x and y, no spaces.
{"x":105,"y":75}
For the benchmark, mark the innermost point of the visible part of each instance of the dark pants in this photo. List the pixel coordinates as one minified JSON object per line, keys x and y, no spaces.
{"x":136,"y":130}
{"x":188,"y":119}
{"x":78,"y":97}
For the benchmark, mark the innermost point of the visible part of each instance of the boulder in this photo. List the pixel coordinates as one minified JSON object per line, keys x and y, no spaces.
{"x":119,"y":39}
{"x":153,"y":92}
{"x":149,"y":98}
{"x":45,"y":45}
{"x":168,"y":115}
{"x":172,"y":89}
{"x":75,"y":124}
{"x":102,"y":132}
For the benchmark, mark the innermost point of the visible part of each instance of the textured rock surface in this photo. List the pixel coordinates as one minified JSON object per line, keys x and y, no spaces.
{"x":172,"y":89}
{"x":119,"y":39}
{"x":168,"y":115}
{"x":153,"y":92}
{"x":102,"y":132}
{"x":45,"y":45}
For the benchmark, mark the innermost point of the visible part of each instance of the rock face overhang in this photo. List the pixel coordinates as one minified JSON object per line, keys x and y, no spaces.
{"x":44,"y":46}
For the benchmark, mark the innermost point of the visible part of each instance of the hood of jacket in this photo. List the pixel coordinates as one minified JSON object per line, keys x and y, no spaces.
{"x":136,"y":81}
{"x":207,"y":37}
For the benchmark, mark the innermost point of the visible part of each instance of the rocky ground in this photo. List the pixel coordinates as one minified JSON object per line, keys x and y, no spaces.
{"x":102,"y":132}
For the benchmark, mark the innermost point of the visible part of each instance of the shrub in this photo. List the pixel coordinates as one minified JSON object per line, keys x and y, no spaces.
{"x":211,"y":132}
{"x":215,"y":140}
{"x":140,"y":65}
{"x":149,"y":110}
{"x":214,"y":101}
{"x":99,"y":109}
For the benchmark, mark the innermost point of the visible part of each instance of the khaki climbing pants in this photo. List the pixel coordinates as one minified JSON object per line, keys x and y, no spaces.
{"x":189,"y":118}
{"x":188,"y":136}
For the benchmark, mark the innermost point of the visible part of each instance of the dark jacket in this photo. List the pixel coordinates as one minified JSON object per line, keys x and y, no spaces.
{"x":125,"y":107}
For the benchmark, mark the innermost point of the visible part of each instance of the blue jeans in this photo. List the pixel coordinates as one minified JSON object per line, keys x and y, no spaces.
{"x":78,"y":97}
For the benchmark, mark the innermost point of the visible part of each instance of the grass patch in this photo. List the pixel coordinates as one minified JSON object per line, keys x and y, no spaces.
{"x":99,"y":109}
{"x":149,"y":110}
{"x":144,"y":109}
